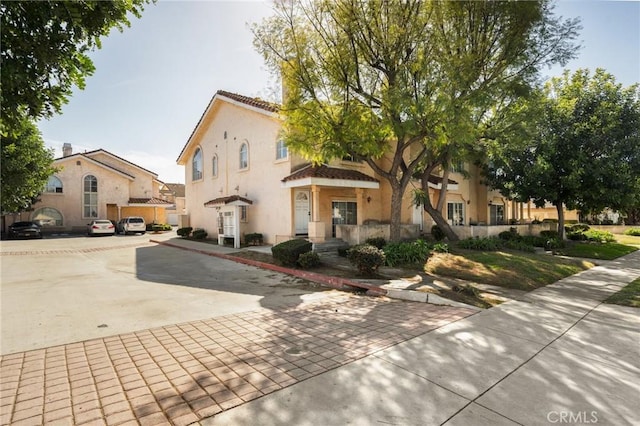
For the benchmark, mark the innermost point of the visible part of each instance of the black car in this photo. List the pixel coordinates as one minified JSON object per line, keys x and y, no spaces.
{"x":24,"y":230}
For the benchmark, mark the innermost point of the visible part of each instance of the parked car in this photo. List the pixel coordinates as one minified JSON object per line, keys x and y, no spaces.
{"x":24,"y":230}
{"x":131,"y":225}
{"x":100,"y":227}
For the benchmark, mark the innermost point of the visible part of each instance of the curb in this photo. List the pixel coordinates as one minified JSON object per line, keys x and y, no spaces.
{"x":424,"y":297}
{"x":333,"y":282}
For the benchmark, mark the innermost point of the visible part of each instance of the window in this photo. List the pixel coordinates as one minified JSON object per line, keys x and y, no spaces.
{"x":457,"y":167}
{"x":496,"y":214}
{"x":90,"y":199}
{"x":47,"y":216}
{"x":281,"y":150}
{"x":243,"y":214}
{"x":343,"y":213}
{"x":455,"y":213}
{"x":244,"y":156}
{"x":196,"y":165}
{"x":214,"y":166}
{"x":54,"y":185}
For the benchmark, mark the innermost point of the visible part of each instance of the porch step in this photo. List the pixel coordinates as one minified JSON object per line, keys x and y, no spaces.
{"x":331,"y":245}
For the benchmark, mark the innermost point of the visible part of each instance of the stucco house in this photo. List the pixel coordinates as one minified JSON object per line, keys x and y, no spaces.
{"x":96,"y":185}
{"x":240,"y":178}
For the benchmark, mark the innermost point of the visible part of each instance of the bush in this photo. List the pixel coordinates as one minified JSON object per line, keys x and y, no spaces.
{"x":509,"y":235}
{"x":309,"y":260}
{"x":366,"y":258}
{"x":184,"y":232}
{"x":549,"y":234}
{"x":254,"y":239}
{"x":576,"y":236}
{"x":437,"y":233}
{"x":440,"y":248}
{"x":578,"y":227}
{"x":288,"y":252}
{"x":343,"y":251}
{"x":554,"y":243}
{"x":199,"y":234}
{"x":478,"y":243}
{"x":599,"y":236}
{"x":378,"y":242}
{"x":633,"y":231}
{"x":413,"y":253}
{"x":518,"y":245}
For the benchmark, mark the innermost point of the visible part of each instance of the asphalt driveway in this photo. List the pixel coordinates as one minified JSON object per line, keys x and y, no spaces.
{"x":62,"y":290}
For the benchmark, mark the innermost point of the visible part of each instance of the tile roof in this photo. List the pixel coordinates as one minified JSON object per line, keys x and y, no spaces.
{"x":324,"y":171}
{"x":176,"y":188}
{"x":254,"y":102}
{"x":149,"y":201}
{"x":227,"y":200}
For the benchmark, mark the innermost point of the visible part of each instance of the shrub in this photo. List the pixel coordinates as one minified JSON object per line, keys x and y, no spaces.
{"x":599,"y":236}
{"x":440,"y":248}
{"x":309,"y":260}
{"x":288,"y":252}
{"x":184,"y":232}
{"x":549,"y":234}
{"x":554,"y":243}
{"x":378,"y":242}
{"x":199,"y":234}
{"x":366,"y":258}
{"x":413,"y":253}
{"x":518,"y":245}
{"x":576,"y":236}
{"x":254,"y":239}
{"x":478,"y":243}
{"x":437,"y":233}
{"x":633,"y":231}
{"x":343,"y":251}
{"x":511,"y":234}
{"x":578,"y":227}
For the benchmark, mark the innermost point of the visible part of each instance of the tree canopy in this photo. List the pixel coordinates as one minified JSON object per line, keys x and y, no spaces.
{"x":26,"y":166}
{"x":403,"y":85}
{"x":44,"y":51}
{"x":578,"y":145}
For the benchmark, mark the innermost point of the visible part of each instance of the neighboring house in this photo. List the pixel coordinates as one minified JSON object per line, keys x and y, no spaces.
{"x":240,"y":179}
{"x":96,"y":185}
{"x":173,"y":193}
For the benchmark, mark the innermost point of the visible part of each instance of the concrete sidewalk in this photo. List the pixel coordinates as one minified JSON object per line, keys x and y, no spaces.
{"x":559,"y":356}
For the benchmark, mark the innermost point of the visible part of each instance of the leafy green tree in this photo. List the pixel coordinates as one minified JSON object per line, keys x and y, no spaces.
{"x":26,"y":167}
{"x":403,"y":85}
{"x":44,"y":51}
{"x":578,"y":146}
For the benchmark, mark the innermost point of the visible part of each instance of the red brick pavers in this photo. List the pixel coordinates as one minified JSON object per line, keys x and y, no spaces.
{"x":178,"y":374}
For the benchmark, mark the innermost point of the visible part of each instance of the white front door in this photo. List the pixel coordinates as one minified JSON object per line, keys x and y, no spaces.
{"x":302,"y":211}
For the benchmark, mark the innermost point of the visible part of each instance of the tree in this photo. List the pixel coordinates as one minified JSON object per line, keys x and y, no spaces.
{"x":26,"y":166}
{"x":403,"y":85}
{"x":44,"y":51}
{"x":578,"y":146}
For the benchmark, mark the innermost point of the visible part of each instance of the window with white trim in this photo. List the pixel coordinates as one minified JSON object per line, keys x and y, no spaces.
{"x":47,"y":216}
{"x":281,"y":150}
{"x":243,"y":214}
{"x":244,"y":156}
{"x":455,"y":213}
{"x":196,"y":165}
{"x":54,"y":185}
{"x":90,"y":197}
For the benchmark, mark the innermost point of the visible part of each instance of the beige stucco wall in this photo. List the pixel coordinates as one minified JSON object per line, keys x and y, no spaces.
{"x":143,"y":186}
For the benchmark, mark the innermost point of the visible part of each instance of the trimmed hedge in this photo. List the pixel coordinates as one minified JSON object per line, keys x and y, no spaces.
{"x":184,"y":232}
{"x":199,"y":234}
{"x":254,"y":239}
{"x":309,"y":260}
{"x":288,"y":252}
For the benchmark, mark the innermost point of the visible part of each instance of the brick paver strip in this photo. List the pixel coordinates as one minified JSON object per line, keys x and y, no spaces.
{"x":181,"y":373}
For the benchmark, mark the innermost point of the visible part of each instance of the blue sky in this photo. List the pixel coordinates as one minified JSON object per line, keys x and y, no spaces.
{"x":154,"y":80}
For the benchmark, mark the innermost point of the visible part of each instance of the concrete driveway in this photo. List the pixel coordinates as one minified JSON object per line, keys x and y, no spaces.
{"x":61,"y":290}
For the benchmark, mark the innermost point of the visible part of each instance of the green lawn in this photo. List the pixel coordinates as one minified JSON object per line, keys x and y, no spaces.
{"x":628,"y":296}
{"x":607,"y":251}
{"x":629,"y":240}
{"x":510,"y":269}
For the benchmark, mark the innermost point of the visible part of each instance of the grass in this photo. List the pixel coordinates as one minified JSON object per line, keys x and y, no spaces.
{"x":629,"y":240}
{"x":523,"y":271}
{"x":606,"y":251}
{"x":628,"y":296}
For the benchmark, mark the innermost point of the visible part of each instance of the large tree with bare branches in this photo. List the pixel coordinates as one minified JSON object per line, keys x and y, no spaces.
{"x":404,"y":85}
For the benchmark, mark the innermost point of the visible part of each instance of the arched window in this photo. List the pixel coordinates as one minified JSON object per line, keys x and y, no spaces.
{"x":214,"y":166}
{"x":47,"y":216}
{"x":53,"y":185}
{"x":196,"y":165}
{"x":90,"y":199}
{"x":281,"y":150}
{"x":244,"y":156}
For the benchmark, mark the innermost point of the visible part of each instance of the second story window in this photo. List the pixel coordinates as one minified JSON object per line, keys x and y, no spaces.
{"x":281,"y":150}
{"x":244,"y":156}
{"x":214,"y":166}
{"x":54,"y":185}
{"x":196,"y":165}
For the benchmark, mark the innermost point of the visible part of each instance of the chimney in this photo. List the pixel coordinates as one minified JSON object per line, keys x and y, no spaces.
{"x":66,"y":149}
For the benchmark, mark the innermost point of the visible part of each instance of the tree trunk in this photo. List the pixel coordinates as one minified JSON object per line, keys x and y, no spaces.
{"x":396,"y":212}
{"x":560,"y":220}
{"x":436,"y":215}
{"x":436,"y":212}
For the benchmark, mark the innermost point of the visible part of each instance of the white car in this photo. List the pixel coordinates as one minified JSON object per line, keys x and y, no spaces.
{"x":101,"y":227}
{"x":131,"y":225}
